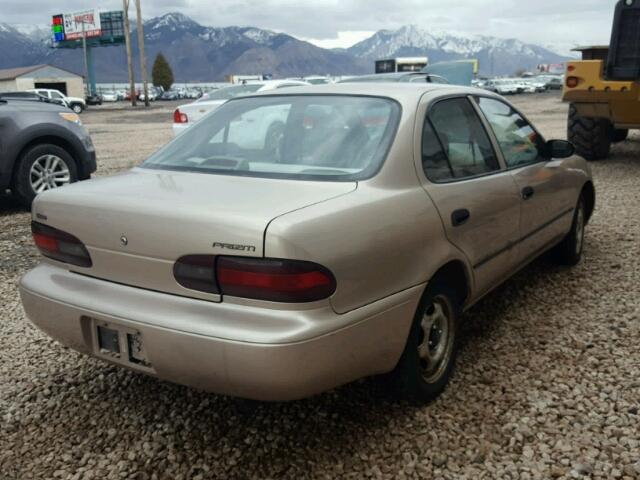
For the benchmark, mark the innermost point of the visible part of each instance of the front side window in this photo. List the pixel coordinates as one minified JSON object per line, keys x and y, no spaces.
{"x":56,"y":95}
{"x":518,"y":141}
{"x":328,"y":137}
{"x":453,"y":132}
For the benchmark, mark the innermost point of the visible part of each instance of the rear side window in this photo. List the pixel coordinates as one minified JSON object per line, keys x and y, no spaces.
{"x":455,"y":144}
{"x":518,"y":140}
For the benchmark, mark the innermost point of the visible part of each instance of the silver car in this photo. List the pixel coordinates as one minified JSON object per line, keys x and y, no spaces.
{"x":297,"y":240}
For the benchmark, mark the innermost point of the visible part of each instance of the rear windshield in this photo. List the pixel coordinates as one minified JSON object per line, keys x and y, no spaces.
{"x":309,"y":137}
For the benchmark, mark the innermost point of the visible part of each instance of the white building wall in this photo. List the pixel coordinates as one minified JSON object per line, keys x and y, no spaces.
{"x":8,"y":86}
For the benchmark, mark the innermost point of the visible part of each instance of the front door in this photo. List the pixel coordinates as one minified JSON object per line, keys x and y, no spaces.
{"x":546,"y":202}
{"x":477,"y":199}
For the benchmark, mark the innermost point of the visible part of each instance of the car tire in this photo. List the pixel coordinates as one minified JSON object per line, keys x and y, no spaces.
{"x":427,"y":362}
{"x":27,"y":173}
{"x":77,"y":108}
{"x":590,"y":136}
{"x":569,"y":251}
{"x":619,"y":135}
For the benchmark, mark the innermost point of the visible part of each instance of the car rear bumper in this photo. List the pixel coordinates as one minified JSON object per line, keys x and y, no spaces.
{"x":206,"y":345}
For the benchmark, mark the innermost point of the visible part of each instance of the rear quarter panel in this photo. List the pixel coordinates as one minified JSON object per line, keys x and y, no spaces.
{"x":375,"y":241}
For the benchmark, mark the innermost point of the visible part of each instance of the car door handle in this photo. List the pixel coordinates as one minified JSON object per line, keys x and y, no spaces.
{"x":460,"y":217}
{"x":527,"y":193}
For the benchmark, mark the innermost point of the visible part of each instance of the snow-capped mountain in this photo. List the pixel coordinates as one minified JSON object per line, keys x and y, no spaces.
{"x":496,"y":55}
{"x":201,"y":53}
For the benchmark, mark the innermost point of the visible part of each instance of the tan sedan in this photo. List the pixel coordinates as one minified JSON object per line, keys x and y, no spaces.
{"x":297,"y":240}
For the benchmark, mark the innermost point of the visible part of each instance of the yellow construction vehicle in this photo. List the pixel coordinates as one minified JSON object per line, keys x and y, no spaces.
{"x":604,"y":87}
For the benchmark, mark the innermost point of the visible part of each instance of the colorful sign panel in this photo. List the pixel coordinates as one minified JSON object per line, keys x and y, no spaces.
{"x":72,"y":26}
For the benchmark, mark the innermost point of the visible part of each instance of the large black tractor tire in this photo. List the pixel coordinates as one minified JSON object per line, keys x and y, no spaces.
{"x":590,"y":136}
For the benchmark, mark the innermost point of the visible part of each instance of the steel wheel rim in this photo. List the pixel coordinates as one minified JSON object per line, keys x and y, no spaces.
{"x":579,"y":229}
{"x":435,"y":345}
{"x":49,"y":172}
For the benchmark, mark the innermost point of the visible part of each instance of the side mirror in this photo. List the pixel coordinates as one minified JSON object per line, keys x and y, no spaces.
{"x":559,"y":149}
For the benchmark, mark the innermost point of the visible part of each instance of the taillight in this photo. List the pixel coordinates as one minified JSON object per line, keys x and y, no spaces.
{"x":572,"y":82}
{"x":197,"y":272}
{"x":179,"y":117}
{"x":59,"y":245}
{"x":276,"y":280}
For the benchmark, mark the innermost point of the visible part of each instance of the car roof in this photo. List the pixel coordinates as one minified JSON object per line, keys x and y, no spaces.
{"x":400,"y":91}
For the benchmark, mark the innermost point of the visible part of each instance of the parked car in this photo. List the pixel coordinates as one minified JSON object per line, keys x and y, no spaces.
{"x":186,"y":115}
{"x":502,"y":86}
{"x":94,"y":99}
{"x":110,"y":96}
{"x":169,"y":95}
{"x":78,"y":105}
{"x":553,"y":82}
{"x":33,"y":97}
{"x":276,"y":263}
{"x":42,"y":147}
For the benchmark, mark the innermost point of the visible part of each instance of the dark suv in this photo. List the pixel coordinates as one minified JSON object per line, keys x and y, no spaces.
{"x":42,"y":146}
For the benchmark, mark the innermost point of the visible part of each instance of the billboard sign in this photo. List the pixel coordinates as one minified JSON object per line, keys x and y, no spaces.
{"x":72,"y":26}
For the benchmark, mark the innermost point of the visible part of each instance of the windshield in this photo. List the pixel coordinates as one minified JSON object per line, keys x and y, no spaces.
{"x":309,"y":137}
{"x":228,"y":93}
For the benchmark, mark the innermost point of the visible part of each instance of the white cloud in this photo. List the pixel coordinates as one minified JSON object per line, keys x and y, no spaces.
{"x":337,"y":22}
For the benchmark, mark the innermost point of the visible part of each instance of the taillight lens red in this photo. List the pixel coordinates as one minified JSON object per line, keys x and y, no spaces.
{"x":273,"y":279}
{"x":179,"y":117}
{"x":276,"y":280}
{"x":59,"y":245}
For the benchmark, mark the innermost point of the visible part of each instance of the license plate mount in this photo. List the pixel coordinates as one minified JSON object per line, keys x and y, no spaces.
{"x":120,"y":344}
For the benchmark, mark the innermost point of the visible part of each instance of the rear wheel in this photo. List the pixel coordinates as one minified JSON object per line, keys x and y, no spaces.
{"x":569,"y":251}
{"x":590,"y":136}
{"x":429,"y":356}
{"x":42,"y":167}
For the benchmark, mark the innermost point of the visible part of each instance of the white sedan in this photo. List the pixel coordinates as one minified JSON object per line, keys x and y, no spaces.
{"x":187,"y":115}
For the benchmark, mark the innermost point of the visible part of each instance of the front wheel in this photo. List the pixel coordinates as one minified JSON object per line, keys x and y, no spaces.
{"x":42,"y":167}
{"x":429,"y":356}
{"x":77,"y":108}
{"x":590,"y":136}
{"x":569,"y":251}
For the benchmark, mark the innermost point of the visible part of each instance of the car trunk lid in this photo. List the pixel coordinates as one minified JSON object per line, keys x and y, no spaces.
{"x":136,"y":225}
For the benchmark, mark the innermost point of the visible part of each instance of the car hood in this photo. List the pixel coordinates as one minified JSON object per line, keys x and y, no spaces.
{"x":74,"y":99}
{"x":136,"y":225}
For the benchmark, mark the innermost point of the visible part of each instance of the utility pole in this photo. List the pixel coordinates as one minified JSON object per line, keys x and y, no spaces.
{"x":127,"y":41}
{"x":86,"y":60}
{"x":143,"y":58}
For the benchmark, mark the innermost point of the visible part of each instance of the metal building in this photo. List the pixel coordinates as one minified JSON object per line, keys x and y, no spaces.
{"x":42,"y":76}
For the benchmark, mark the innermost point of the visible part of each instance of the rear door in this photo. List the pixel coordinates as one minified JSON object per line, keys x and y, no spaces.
{"x":476,"y":197}
{"x":546,"y":198}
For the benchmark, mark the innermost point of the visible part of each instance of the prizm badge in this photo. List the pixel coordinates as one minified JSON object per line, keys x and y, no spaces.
{"x":41,"y":216}
{"x":231,"y":246}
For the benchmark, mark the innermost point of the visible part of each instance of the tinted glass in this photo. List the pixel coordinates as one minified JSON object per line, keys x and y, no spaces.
{"x":297,"y":137}
{"x":518,"y":141}
{"x":463,"y":138}
{"x":434,"y":161}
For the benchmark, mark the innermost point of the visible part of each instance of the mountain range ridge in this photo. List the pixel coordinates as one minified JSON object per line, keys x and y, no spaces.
{"x":200,"y":53}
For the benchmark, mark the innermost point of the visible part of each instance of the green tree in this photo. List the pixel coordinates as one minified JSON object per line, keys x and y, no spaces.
{"x":162,"y":75}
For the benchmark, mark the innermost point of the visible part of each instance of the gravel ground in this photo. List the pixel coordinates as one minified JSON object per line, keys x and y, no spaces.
{"x":546,"y":386}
